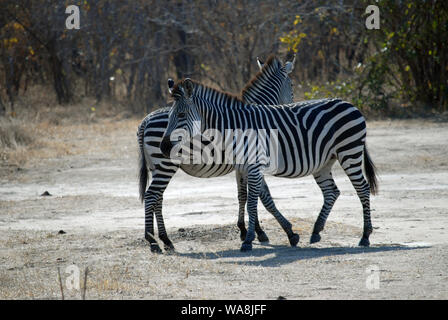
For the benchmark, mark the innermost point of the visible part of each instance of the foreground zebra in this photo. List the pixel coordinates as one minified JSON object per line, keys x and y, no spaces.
{"x":270,"y":86}
{"x":311,"y":137}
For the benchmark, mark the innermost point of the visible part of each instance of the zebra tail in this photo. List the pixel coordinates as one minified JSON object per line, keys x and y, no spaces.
{"x":370,"y":169}
{"x":143,"y":172}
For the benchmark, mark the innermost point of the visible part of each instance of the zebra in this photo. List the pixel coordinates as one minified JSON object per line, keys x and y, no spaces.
{"x":312,"y":136}
{"x":271,"y":85}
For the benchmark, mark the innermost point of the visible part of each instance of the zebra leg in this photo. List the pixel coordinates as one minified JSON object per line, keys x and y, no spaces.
{"x":254,"y":181}
{"x":149,"y":231}
{"x":242,"y":199}
{"x":266,"y":199}
{"x":153,"y":197}
{"x":353,"y":169}
{"x":330,"y":191}
{"x":168,"y":245}
{"x":261,"y":235}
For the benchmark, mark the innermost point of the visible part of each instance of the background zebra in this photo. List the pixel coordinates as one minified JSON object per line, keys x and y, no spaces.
{"x":311,"y":137}
{"x":270,"y":86}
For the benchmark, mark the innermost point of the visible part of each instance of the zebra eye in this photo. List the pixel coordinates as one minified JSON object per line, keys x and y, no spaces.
{"x":181,"y":115}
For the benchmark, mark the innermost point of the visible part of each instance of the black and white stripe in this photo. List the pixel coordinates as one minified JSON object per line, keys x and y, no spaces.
{"x":312,"y":136}
{"x":272,"y":86}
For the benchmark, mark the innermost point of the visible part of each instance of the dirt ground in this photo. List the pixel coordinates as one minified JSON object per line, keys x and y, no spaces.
{"x":94,"y":200}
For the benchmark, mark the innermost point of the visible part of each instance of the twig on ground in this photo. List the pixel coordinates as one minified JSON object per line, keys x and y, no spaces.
{"x":84,"y":289}
{"x":60,"y":284}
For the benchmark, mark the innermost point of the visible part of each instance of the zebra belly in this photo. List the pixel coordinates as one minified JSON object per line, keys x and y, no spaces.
{"x":207,"y":170}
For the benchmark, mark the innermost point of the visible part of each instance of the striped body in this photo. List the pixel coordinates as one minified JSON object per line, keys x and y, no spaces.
{"x":309,"y":134}
{"x":311,"y":137}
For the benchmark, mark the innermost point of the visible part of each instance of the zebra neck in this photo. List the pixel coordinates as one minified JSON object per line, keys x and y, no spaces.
{"x":228,"y":115}
{"x":217,"y":109}
{"x":264,"y":87}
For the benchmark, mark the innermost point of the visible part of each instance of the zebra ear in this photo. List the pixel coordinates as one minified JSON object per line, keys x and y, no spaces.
{"x":188,"y":86}
{"x":170,"y":85}
{"x":260,"y":63}
{"x":289,"y":66}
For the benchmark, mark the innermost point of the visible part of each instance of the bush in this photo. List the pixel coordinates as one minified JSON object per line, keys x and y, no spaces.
{"x":406,"y":60}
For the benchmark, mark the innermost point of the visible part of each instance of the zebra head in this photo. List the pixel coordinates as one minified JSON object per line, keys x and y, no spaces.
{"x":289,"y":65}
{"x":184,"y":119}
{"x":286,"y":91}
{"x":272,"y":85}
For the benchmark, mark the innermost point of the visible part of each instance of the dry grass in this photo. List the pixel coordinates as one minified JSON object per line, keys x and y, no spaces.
{"x":39,"y":128}
{"x":16,"y":139}
{"x":13,"y":134}
{"x":22,"y":141}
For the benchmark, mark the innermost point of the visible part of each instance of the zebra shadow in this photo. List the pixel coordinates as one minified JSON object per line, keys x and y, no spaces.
{"x":278,"y":255}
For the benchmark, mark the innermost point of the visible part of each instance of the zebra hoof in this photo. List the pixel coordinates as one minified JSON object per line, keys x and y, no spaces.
{"x":262,"y":237}
{"x":169,"y":248}
{"x":294,"y":239}
{"x":246,"y":247}
{"x":155,"y":248}
{"x":315,"y":237}
{"x":364,"y":242}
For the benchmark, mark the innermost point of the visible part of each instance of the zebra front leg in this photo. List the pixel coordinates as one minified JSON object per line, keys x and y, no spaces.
{"x":330,"y":192}
{"x":269,"y":204}
{"x":242,"y":199}
{"x":254,"y":181}
{"x":168,"y":245}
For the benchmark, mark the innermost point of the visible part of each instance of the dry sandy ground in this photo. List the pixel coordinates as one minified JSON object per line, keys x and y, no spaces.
{"x":94,"y":200}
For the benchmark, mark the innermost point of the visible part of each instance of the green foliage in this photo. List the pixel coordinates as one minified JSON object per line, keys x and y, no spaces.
{"x":349,"y":91}
{"x":406,"y":60}
{"x":412,"y":52}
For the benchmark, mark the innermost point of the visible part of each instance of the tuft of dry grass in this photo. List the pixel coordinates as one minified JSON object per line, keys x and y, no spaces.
{"x":14,"y":134}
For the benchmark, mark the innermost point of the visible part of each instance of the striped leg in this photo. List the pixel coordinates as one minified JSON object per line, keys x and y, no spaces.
{"x":269,"y":204}
{"x":254,"y":181}
{"x":153,"y":204}
{"x":353,"y":169}
{"x":330,"y":191}
{"x":149,"y":230}
{"x":242,"y":199}
{"x":168,"y":245}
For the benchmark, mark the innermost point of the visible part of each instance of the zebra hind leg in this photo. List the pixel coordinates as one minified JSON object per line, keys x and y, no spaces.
{"x":330,"y":193}
{"x":149,"y":232}
{"x":168,"y":245}
{"x":353,"y":169}
{"x":254,"y":181}
{"x":152,"y":197}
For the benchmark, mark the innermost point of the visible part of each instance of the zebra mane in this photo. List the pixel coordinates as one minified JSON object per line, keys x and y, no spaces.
{"x":271,"y":66}
{"x":204,"y":91}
